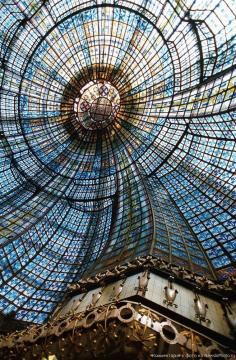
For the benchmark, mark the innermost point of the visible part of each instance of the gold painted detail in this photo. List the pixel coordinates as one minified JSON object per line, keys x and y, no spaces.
{"x":126,"y":328}
{"x":149,"y":263}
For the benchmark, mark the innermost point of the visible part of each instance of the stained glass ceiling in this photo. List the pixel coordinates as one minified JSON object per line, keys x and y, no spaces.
{"x":117,"y":139}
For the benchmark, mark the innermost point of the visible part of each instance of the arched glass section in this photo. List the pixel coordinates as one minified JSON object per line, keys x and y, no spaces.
{"x":117,"y":138}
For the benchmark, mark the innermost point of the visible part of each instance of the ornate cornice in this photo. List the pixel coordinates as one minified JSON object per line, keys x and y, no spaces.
{"x":123,"y":328}
{"x":180,"y":274}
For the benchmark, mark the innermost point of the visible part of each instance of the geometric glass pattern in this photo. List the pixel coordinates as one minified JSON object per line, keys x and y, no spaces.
{"x":117,"y":139}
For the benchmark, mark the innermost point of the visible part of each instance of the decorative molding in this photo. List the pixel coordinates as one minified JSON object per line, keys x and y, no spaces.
{"x":153,"y":263}
{"x":126,"y":328}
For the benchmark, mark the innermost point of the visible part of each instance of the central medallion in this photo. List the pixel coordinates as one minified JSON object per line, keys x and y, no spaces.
{"x":97,"y":106}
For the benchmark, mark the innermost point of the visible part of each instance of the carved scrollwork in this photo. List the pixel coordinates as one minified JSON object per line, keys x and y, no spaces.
{"x":125,"y":328}
{"x":117,"y":290}
{"x":200,"y":309}
{"x":152,"y":262}
{"x":170,"y":294}
{"x":143,"y":283}
{"x":95,"y":298}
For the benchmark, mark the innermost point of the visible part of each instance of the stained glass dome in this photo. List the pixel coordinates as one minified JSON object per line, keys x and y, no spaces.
{"x":117,"y":139}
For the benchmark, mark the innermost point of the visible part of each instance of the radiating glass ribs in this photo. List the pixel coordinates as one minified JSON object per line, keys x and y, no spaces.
{"x":117,"y":140}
